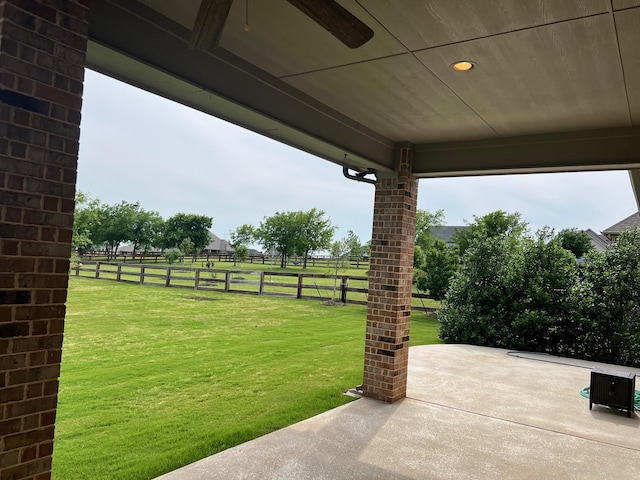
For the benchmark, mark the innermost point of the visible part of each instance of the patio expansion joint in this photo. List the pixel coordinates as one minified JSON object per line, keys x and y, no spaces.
{"x":504,"y":420}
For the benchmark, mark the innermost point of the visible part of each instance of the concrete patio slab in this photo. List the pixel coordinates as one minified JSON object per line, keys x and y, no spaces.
{"x":470,"y":413}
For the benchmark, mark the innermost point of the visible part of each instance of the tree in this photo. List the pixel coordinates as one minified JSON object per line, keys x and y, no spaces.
{"x":339,"y":255}
{"x":186,"y":246}
{"x":425,"y":220}
{"x":146,"y":229}
{"x":114,"y":225}
{"x":84,"y":218}
{"x":434,"y":262}
{"x":314,"y":232}
{"x":298,"y":233}
{"x":513,"y":291}
{"x":610,"y":302}
{"x":437,"y":266}
{"x":278,"y":232}
{"x":355,"y":249}
{"x":576,"y":241}
{"x":183,"y":225}
{"x":240,"y":238}
{"x":491,"y":225}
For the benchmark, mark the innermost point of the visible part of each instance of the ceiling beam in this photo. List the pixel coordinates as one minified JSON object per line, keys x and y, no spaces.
{"x":606,"y":149}
{"x":209,"y":24}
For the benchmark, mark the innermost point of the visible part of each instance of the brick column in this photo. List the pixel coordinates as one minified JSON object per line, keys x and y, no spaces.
{"x":42,"y":56}
{"x":390,"y":276}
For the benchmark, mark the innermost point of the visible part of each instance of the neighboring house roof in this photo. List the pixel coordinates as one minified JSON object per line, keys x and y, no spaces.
{"x":128,"y":248}
{"x":445,"y":233}
{"x":599,"y":241}
{"x":217,"y":244}
{"x":629,"y":223}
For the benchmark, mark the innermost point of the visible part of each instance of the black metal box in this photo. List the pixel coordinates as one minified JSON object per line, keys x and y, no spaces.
{"x":613,"y":389}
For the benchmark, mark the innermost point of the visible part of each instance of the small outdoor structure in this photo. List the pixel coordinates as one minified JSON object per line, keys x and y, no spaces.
{"x":552,"y":86}
{"x":613,"y":388}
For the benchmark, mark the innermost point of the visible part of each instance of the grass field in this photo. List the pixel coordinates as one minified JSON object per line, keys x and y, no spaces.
{"x":155,"y":378}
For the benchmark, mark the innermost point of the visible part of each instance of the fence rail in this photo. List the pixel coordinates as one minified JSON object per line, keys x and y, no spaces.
{"x":344,"y":288}
{"x":155,"y":257}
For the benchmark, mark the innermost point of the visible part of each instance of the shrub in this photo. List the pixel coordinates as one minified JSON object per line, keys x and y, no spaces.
{"x":610,"y":302}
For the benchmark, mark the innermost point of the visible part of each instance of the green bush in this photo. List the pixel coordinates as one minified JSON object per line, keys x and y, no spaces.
{"x":524,"y":293}
{"x":610,"y":302}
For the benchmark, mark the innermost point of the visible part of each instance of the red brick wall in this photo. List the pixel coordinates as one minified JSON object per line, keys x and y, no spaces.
{"x":390,"y":277}
{"x":42,"y":53}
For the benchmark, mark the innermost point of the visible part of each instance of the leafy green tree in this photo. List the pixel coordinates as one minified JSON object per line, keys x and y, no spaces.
{"x":545,"y":299}
{"x":279,"y":233}
{"x":476,"y":306}
{"x":576,"y":241}
{"x":512,"y":291}
{"x":291,"y":233}
{"x":114,"y":225}
{"x":314,"y":232}
{"x":240,"y":238}
{"x":83,"y":220}
{"x":437,"y":266}
{"x":182,"y":225}
{"x":187,"y":246}
{"x":434,"y":262}
{"x":355,"y":249}
{"x":491,"y":225}
{"x":425,"y":221}
{"x":610,"y":302}
{"x":146,"y":229}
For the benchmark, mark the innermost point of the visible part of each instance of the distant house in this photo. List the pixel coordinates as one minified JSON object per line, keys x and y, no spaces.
{"x":446,"y":233}
{"x":598,"y":240}
{"x":217,"y":246}
{"x":629,"y":223}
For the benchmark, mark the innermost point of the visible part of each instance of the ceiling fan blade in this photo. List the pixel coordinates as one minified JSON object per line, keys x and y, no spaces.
{"x":207,"y":29}
{"x":337,"y":20}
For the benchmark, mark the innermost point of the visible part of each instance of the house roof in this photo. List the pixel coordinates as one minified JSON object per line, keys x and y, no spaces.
{"x":446,"y":232}
{"x":599,"y":241}
{"x":629,"y":223}
{"x":217,"y":244}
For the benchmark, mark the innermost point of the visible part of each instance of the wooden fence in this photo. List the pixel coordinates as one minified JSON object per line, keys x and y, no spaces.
{"x":344,"y":288}
{"x":155,"y":257}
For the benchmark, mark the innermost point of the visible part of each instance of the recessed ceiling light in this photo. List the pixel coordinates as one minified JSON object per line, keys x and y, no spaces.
{"x":463,"y":66}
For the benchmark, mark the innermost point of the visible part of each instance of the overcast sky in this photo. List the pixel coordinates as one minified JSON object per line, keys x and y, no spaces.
{"x":138,"y":147}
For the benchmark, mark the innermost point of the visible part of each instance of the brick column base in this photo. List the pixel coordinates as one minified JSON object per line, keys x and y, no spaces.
{"x":390,"y":279}
{"x":42,"y":53}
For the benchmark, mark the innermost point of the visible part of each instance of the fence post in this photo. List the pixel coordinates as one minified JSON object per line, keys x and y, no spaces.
{"x":300,"y":277}
{"x":141,"y":274}
{"x":167,"y":280}
{"x":77,"y":269}
{"x":196,"y":281}
{"x":261,"y":290}
{"x":97,"y":269}
{"x":343,"y":289}
{"x":227,"y":280}
{"x":119,"y":273}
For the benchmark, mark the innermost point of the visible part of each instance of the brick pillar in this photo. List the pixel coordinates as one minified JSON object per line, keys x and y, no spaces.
{"x":390,"y":276}
{"x":42,"y":57}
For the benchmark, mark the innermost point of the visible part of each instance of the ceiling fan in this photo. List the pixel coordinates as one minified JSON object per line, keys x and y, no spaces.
{"x":329,"y":14}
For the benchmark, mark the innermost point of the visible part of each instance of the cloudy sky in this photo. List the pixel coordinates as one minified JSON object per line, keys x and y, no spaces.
{"x":135,"y":146}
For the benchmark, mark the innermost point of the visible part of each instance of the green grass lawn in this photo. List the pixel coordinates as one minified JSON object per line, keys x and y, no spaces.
{"x":153,"y":378}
